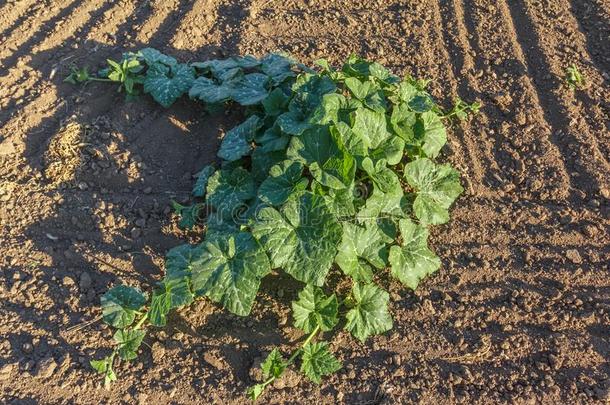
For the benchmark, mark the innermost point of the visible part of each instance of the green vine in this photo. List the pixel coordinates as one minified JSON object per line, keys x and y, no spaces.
{"x":329,"y":169}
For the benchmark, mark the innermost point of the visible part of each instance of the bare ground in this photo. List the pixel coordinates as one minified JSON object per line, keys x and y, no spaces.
{"x":520,"y":311}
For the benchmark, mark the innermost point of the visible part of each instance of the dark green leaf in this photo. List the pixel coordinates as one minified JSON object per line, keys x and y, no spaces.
{"x":119,"y":304}
{"x":202,"y":180}
{"x":167,"y":84}
{"x":302,"y":238}
{"x":230,"y":271}
{"x":237,"y":142}
{"x":284,"y":180}
{"x":229,"y":189}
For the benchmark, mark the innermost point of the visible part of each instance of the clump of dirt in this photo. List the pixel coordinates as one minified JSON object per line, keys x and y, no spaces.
{"x":64,"y":155}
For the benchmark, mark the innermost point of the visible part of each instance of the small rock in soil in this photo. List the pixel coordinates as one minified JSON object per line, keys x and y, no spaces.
{"x":46,"y":367}
{"x":289,"y":379}
{"x":27,"y":348}
{"x":6,"y":371}
{"x":158,"y":351}
{"x":85,"y":281}
{"x":574,"y":256}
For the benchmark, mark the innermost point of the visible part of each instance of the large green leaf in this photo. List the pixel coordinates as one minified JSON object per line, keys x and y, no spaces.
{"x":370,"y":315}
{"x":151,"y":56}
{"x":354,"y":143}
{"x":430,"y":133}
{"x":302,"y":237}
{"x":179,"y":261}
{"x":284,"y":180}
{"x":392,"y":150}
{"x":328,"y":162}
{"x":263,"y":161}
{"x":341,"y":201}
{"x":391,"y":204}
{"x":119,"y":305}
{"x":230,"y":271}
{"x":273,"y":139}
{"x":362,"y":249}
{"x":218,"y":67}
{"x":413,"y":261}
{"x":229,"y":189}
{"x":437,"y":187}
{"x":276,"y":102}
{"x":208,"y":91}
{"x":166,"y":84}
{"x":128,"y":342}
{"x":371,"y":126}
{"x":237,"y":142}
{"x":293,"y":122}
{"x":317,"y":361}
{"x":314,"y":308}
{"x":277,"y":67}
{"x":250,"y":89}
{"x":202,"y":180}
{"x":403,"y":120}
{"x":384,"y":178}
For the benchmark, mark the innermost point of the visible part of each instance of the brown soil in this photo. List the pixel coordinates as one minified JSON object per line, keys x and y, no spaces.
{"x":520,"y":311}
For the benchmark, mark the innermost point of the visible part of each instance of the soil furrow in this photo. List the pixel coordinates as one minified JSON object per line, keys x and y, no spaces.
{"x":566,"y":45}
{"x":14,"y":15}
{"x":518,"y":311}
{"x":455,"y":58}
{"x":593,"y":17}
{"x":23,"y":40}
{"x":521,"y":119}
{"x":571,"y":135}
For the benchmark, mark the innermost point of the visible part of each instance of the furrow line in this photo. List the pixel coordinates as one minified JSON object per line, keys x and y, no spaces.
{"x":13,"y":15}
{"x":588,"y":169}
{"x":461,"y":84}
{"x":20,"y":43}
{"x":538,"y":168}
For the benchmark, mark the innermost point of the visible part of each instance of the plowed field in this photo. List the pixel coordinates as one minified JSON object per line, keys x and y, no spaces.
{"x":519,"y":312}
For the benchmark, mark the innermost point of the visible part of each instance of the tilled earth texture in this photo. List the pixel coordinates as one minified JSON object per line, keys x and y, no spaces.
{"x":519,"y":312}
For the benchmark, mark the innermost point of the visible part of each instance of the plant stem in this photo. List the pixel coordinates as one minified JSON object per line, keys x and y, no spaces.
{"x":305,"y":342}
{"x":141,"y":322}
{"x":99,"y":79}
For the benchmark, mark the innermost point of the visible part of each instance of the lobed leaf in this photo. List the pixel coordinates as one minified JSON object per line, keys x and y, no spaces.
{"x":370,"y":315}
{"x":230,"y":271}
{"x":437,"y":187}
{"x":318,"y":361}
{"x":119,"y":305}
{"x":314,"y":308}
{"x":237,"y":142}
{"x":128,"y":342}
{"x":166,"y":84}
{"x":301,"y":237}
{"x":413,"y":260}
{"x":284,"y":180}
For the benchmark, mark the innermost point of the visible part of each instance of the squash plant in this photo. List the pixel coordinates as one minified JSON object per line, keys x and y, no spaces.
{"x":329,"y":168}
